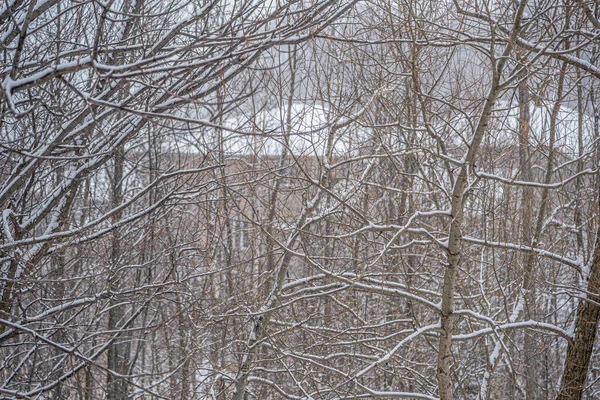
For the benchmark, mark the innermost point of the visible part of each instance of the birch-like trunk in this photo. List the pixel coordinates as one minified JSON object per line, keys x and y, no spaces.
{"x":459,"y":192}
{"x":455,"y":246}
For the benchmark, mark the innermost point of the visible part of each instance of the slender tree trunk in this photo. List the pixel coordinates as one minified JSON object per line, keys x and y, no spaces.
{"x":277,"y":270}
{"x":118,"y":352}
{"x":455,"y":246}
{"x":530,"y":366}
{"x":459,"y":191}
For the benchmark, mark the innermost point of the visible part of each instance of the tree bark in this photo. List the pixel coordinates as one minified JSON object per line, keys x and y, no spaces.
{"x":530,"y":368}
{"x":459,"y":192}
{"x":579,"y":350}
{"x":118,"y":352}
{"x":454,"y":249}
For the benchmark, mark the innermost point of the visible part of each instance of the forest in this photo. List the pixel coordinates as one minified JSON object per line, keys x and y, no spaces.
{"x":299,"y":199}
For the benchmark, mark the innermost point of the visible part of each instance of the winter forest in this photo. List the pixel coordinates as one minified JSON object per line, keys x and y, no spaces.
{"x":299,"y":199}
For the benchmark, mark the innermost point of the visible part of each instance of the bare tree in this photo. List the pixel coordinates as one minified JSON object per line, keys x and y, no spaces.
{"x":299,"y":199}
{"x":82,"y":85}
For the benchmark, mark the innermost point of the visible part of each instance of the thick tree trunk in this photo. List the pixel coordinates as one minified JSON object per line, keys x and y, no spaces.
{"x":579,"y":350}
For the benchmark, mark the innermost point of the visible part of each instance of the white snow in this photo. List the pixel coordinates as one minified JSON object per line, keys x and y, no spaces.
{"x":268,"y":132}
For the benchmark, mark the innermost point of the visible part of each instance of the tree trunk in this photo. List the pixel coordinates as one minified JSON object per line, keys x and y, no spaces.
{"x":118,"y":352}
{"x":454,"y":249}
{"x":579,"y":350}
{"x":530,"y":368}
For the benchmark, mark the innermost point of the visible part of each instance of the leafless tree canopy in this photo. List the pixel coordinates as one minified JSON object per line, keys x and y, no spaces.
{"x":300,"y":199}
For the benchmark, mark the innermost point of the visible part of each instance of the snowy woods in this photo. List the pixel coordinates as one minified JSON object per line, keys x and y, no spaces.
{"x":299,"y":199}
